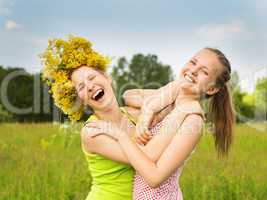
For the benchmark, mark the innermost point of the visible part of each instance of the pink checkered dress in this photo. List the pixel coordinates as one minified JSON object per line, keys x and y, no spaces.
{"x":168,"y":190}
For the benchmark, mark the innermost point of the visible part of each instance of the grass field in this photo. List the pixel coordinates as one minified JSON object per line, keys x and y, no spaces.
{"x":43,"y":162}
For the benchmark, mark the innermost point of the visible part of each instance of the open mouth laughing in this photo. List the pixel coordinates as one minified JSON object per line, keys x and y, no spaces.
{"x":98,"y":94}
{"x":189,"y":78}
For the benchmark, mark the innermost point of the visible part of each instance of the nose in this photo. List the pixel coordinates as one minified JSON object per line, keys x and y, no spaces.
{"x":89,"y":86}
{"x":194,"y":70}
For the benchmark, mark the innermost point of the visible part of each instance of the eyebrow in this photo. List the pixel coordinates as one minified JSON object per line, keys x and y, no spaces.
{"x":202,"y":65}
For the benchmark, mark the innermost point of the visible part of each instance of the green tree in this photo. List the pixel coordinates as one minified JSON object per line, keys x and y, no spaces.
{"x":143,"y":71}
{"x":4,"y":115}
{"x":243,"y":103}
{"x":260,"y":94}
{"x":20,"y":86}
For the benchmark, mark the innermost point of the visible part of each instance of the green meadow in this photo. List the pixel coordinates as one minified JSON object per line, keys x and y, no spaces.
{"x":45,"y":161}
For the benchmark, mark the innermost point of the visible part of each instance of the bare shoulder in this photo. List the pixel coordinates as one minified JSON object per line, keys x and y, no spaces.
{"x":87,"y":142}
{"x":96,"y":144}
{"x":193,"y":123}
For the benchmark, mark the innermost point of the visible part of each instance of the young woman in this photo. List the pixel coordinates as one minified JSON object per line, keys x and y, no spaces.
{"x":76,"y":74}
{"x":206,"y":74}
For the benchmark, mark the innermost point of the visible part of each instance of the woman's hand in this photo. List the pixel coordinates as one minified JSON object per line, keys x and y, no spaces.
{"x":100,"y":127}
{"x":143,"y":135}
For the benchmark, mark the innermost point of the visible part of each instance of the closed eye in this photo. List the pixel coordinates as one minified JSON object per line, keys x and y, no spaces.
{"x":80,"y":87}
{"x":91,"y":77}
{"x":205,"y":72}
{"x":193,"y":62}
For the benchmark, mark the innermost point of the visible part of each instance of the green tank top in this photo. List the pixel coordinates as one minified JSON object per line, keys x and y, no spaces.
{"x":111,"y":180}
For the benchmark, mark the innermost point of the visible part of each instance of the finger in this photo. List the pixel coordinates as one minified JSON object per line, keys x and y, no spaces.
{"x":147,"y":140}
{"x":148,"y":133}
{"x":145,"y":143}
{"x":144,"y":140}
{"x":145,"y":136}
{"x":139,"y":142}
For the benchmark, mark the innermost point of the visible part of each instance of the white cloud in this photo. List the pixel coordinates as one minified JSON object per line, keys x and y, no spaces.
{"x":228,"y":31}
{"x":5,"y":7}
{"x":10,"y":24}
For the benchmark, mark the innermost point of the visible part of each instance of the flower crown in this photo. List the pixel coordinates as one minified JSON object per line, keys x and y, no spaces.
{"x":59,"y":59}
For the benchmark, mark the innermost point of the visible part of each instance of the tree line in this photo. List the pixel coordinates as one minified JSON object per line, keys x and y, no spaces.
{"x":24,"y":98}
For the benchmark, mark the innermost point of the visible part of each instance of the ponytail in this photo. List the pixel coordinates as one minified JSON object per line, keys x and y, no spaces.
{"x":221,"y":112}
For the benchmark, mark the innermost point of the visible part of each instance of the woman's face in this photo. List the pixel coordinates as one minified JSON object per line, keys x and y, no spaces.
{"x":202,"y":71}
{"x":93,"y":87}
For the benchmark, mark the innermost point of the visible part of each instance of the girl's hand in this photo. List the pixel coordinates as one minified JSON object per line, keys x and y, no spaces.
{"x":143,"y":135}
{"x":101,"y":127}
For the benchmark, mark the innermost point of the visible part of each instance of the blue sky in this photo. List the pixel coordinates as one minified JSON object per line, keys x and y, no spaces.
{"x":174,"y":30}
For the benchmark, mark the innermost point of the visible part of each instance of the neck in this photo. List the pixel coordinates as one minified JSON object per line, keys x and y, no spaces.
{"x":186,"y":98}
{"x":112,"y":114}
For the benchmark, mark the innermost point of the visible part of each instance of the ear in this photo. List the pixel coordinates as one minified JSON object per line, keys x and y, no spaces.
{"x":212,"y":90}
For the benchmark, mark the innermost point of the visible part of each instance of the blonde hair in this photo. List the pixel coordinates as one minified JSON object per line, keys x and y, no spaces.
{"x":59,"y":60}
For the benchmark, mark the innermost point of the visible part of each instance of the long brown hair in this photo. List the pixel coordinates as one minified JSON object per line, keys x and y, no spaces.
{"x":221,"y":111}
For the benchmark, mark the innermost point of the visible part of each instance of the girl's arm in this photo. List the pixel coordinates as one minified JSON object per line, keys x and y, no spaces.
{"x":135,"y":97}
{"x":153,"y":104}
{"x":111,"y":149}
{"x":163,"y":97}
{"x":173,"y":156}
{"x":152,"y":99}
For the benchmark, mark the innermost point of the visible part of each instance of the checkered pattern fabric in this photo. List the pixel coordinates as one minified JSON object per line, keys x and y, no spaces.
{"x":168,"y":190}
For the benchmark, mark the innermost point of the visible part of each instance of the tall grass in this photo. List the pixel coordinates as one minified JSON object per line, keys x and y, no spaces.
{"x":243,"y":175}
{"x":39,"y":162}
{"x":42,"y":162}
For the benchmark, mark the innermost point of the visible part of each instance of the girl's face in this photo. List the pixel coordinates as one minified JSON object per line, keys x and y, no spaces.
{"x":202,"y":71}
{"x":93,"y":87}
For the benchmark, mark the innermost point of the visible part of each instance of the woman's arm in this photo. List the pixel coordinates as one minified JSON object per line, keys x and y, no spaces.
{"x":173,"y":156}
{"x":135,"y":97}
{"x":111,"y":149}
{"x":135,"y":112}
{"x":164,"y":96}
